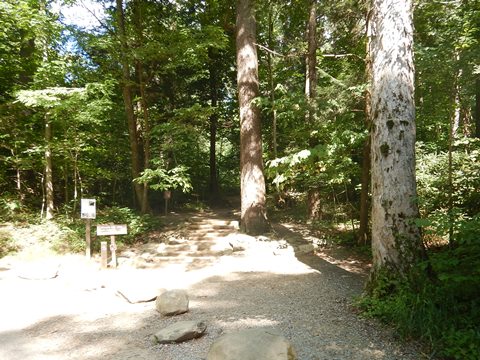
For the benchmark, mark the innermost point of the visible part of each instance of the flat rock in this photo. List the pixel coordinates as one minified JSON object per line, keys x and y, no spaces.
{"x":304,"y":249}
{"x":172,"y":302}
{"x":252,"y":344}
{"x":180,"y":331}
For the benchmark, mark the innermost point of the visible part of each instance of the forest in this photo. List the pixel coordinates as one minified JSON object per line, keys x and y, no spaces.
{"x":360,"y":118}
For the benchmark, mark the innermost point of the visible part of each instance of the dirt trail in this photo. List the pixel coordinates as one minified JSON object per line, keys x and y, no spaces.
{"x":234,"y":281}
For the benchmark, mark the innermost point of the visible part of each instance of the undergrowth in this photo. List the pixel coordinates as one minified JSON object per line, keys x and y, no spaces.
{"x":66,"y":234}
{"x":138,"y":227}
{"x":443,"y":311}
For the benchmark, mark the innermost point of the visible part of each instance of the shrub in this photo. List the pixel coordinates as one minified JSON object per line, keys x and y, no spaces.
{"x":7,"y":245}
{"x":444,"y":311}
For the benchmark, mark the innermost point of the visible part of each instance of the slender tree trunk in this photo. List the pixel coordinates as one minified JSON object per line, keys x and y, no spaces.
{"x":48,"y":169}
{"x":253,"y":199}
{"x":363,"y":231}
{"x":143,"y":104}
{"x":311,"y":59}
{"x":128,"y":103}
{"x":454,"y":126}
{"x":271,"y":82}
{"x":75,"y":182}
{"x":396,"y":241}
{"x":145,"y":206}
{"x":314,"y":199}
{"x":213,"y":184}
{"x":477,"y":107}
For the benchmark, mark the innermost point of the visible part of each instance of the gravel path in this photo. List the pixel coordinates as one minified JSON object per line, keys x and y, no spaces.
{"x":80,"y":315}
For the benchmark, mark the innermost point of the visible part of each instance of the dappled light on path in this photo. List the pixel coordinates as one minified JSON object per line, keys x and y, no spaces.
{"x":85,"y":313}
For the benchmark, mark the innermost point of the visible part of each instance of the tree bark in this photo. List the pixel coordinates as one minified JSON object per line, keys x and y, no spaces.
{"x":252,"y":181}
{"x":314,"y":200}
{"x":477,"y":107}
{"x":48,"y":169}
{"x":271,"y":82}
{"x":145,"y":205}
{"x":396,"y":241}
{"x":363,"y":231}
{"x":128,"y":103}
{"x":311,"y":59}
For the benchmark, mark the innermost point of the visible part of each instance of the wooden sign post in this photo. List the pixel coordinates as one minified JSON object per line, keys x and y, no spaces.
{"x":103,"y":254}
{"x":112,"y":230}
{"x":88,"y":211}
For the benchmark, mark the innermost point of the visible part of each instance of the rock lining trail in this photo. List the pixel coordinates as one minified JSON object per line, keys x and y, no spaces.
{"x":234,"y":282}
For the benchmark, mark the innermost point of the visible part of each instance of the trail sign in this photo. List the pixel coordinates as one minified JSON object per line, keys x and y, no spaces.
{"x":112,"y":229}
{"x":88,"y":209}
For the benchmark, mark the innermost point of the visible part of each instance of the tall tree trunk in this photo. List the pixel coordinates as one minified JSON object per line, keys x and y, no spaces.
{"x":363,"y":231}
{"x":48,"y":169}
{"x":396,"y":241}
{"x":454,"y":126}
{"x":271,"y":82}
{"x":145,"y":206}
{"x":314,"y":199}
{"x":311,"y":59}
{"x":253,"y":208}
{"x":138,"y":17}
{"x":213,"y":184}
{"x":477,"y":107}
{"x":128,"y":103}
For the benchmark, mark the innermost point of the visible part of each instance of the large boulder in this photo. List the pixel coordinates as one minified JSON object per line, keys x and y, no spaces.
{"x":252,"y":344}
{"x":173,"y":302}
{"x":180,"y":331}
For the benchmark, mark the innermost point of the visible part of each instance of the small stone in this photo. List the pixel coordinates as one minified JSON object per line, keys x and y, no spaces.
{"x":173,"y":302}
{"x":252,"y":344}
{"x":180,"y":331}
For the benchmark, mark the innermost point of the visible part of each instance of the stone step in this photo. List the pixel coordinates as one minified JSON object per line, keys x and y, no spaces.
{"x":214,"y":222}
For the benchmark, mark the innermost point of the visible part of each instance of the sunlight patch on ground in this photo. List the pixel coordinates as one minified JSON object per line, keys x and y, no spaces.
{"x":246,"y":322}
{"x":349,"y":264}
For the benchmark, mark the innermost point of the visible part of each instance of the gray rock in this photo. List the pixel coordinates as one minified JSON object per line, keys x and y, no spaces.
{"x":180,"y":331}
{"x":305,"y":249}
{"x":252,"y":344}
{"x":173,"y":302}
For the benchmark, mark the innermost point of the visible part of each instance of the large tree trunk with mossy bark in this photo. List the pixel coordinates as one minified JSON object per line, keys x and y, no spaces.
{"x":252,"y":182}
{"x":396,"y":241}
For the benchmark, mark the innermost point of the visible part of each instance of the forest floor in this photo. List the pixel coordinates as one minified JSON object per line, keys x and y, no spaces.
{"x":65,"y":307}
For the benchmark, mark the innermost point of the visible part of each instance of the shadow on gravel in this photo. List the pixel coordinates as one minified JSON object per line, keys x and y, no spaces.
{"x":311,"y":308}
{"x":304,"y":297}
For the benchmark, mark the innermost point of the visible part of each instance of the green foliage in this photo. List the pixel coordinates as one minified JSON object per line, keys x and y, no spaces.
{"x":138,"y":225}
{"x":7,"y":244}
{"x":433,"y":181}
{"x":162,"y":179}
{"x":9,"y":208}
{"x":444,"y":310}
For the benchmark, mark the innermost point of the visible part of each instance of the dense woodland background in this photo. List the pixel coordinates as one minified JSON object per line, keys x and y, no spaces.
{"x":145,"y":100}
